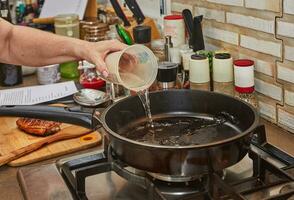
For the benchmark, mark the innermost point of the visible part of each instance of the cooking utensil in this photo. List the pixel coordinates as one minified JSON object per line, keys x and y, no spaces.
{"x":64,"y":134}
{"x":189,"y":160}
{"x":188,"y":19}
{"x":119,"y":12}
{"x":197,"y":34}
{"x":136,"y":10}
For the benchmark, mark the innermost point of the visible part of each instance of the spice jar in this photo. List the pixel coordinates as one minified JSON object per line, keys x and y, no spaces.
{"x":167,"y":75}
{"x":67,"y":25}
{"x":223,"y":73}
{"x":96,"y":32}
{"x":83,"y":25}
{"x":142,"y":35}
{"x":157,"y":47}
{"x":244,"y":81}
{"x":174,"y":26}
{"x":89,"y":78}
{"x":199,"y":72}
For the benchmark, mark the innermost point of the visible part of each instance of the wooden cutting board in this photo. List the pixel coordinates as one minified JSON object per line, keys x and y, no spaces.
{"x":11,"y":138}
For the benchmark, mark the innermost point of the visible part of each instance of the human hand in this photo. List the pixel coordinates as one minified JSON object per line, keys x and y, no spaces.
{"x":96,"y":52}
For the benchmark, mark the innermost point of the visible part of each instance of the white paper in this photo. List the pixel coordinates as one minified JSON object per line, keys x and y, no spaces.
{"x":52,"y":8}
{"x":37,"y":94}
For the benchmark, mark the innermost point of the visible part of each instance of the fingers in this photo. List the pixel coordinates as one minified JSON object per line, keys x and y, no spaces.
{"x":101,"y":66}
{"x":114,"y":45}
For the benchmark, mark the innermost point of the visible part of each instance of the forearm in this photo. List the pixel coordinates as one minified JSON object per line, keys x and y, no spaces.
{"x":27,"y":46}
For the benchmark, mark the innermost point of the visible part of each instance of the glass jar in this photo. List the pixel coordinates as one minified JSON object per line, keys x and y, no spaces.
{"x":68,"y":25}
{"x":250,"y":98}
{"x":89,"y":78}
{"x":244,"y":81}
{"x":157,"y":46}
{"x":96,"y":32}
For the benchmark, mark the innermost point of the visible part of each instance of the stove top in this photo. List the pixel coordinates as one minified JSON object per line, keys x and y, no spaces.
{"x":265,"y":173}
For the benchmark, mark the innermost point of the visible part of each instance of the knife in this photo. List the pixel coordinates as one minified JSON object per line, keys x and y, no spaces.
{"x":136,"y":10}
{"x":197,"y":35}
{"x":188,"y":19}
{"x":119,"y":12}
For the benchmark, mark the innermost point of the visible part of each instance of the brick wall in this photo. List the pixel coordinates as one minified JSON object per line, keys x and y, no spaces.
{"x":261,"y":30}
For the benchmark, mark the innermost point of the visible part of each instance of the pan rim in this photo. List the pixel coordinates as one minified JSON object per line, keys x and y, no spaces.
{"x":198,"y":146}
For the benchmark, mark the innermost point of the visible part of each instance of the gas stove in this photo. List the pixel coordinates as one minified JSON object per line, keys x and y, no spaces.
{"x":265,"y":173}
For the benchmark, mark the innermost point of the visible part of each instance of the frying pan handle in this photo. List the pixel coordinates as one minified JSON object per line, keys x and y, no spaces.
{"x":60,"y":114}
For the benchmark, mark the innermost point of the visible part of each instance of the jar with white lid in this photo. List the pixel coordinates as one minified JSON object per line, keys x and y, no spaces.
{"x":199,"y":72}
{"x":244,"y":81}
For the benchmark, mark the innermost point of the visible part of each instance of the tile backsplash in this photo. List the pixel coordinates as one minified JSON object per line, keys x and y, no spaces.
{"x":261,"y":30}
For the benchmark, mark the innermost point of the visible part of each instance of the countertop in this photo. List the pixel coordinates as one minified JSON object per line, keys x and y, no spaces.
{"x":10,"y":190}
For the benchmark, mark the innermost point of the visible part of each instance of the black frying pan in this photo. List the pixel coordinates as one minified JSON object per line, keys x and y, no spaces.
{"x":215,"y":150}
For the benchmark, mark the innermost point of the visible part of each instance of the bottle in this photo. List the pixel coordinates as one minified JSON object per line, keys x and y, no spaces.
{"x":167,"y":46}
{"x":39,"y":8}
{"x":19,"y":12}
{"x":9,"y":74}
{"x":29,"y":12}
{"x":244,"y":81}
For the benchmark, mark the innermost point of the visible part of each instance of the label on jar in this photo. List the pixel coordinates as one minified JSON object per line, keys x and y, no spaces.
{"x":244,"y":76}
{"x":176,"y":29}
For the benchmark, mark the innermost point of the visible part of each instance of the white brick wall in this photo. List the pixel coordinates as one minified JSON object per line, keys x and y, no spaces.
{"x":260,"y":30}
{"x":289,"y":97}
{"x":264,"y":67}
{"x":263,"y":46}
{"x":285,"y":73}
{"x":178,"y":7}
{"x":267,"y":26}
{"x":260,"y":65}
{"x":272,"y":5}
{"x":211,"y":47}
{"x":219,"y":34}
{"x":289,"y":6}
{"x":207,"y":13}
{"x":286,"y":119}
{"x":228,"y":2}
{"x":268,"y":89}
{"x":289,"y":55}
{"x":285,"y":28}
{"x":267,"y":110}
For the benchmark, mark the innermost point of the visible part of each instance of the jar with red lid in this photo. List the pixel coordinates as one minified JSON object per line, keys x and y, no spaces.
{"x":244,"y":81}
{"x":174,"y":26}
{"x":89,"y":77}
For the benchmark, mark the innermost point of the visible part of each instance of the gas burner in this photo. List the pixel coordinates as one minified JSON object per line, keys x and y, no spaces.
{"x":173,"y":178}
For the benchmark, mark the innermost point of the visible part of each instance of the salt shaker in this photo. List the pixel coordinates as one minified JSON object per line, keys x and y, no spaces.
{"x":244,"y":81}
